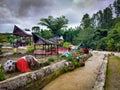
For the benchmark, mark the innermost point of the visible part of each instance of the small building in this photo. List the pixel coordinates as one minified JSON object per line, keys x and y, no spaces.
{"x":20,"y":33}
{"x":48,"y":47}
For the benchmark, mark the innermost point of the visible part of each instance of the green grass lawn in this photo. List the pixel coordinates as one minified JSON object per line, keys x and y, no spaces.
{"x":113,"y":73}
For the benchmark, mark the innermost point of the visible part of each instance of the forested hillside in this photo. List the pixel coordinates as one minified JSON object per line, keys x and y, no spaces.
{"x":101,"y":31}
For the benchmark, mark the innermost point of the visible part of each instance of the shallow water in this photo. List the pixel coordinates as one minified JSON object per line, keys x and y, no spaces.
{"x":79,"y":79}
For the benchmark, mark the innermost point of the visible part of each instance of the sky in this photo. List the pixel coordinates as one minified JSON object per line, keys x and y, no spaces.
{"x":27,"y":13}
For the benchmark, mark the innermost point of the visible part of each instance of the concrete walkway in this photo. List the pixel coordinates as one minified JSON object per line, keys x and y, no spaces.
{"x":81,"y":78}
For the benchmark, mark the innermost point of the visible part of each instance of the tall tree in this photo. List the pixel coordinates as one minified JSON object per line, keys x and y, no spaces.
{"x":68,"y":35}
{"x":100,"y":19}
{"x":85,"y":21}
{"x":107,"y":18}
{"x":116,"y":5}
{"x":94,"y":21}
{"x":54,"y":24}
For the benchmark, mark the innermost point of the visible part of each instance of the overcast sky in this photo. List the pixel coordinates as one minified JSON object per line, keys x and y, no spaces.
{"x":27,"y":13}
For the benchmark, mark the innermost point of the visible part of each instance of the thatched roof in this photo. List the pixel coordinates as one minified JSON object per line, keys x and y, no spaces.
{"x":41,"y":41}
{"x":54,"y":39}
{"x":19,"y":32}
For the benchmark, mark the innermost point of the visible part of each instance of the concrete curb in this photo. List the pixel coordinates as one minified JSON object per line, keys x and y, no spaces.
{"x":100,"y":80}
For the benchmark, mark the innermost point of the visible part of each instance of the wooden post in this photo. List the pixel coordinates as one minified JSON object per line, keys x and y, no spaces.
{"x":48,"y":47}
{"x":51,"y":49}
{"x":57,"y":48}
{"x":45,"y":49}
{"x":34,"y":49}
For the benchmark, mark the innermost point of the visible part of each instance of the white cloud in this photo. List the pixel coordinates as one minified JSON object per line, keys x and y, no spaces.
{"x":79,"y":1}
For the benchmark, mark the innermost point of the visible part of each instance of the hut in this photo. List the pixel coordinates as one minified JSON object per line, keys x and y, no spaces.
{"x":48,"y":47}
{"x":20,"y":33}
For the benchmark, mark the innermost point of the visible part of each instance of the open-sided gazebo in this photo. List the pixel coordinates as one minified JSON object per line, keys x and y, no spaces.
{"x":46,"y":44}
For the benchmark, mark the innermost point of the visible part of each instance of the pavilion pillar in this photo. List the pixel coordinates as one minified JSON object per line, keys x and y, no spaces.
{"x":57,"y":49}
{"x":45,"y":49}
{"x":51,"y":49}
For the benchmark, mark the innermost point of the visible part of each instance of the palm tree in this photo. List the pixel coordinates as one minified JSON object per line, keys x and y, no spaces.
{"x":54,"y":24}
{"x":36,"y":29}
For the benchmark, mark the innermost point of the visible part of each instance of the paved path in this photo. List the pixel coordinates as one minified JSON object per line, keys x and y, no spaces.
{"x":81,"y":78}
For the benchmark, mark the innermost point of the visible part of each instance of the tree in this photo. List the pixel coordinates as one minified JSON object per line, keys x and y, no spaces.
{"x":94,"y":21}
{"x":114,"y":38}
{"x":111,"y":44}
{"x":68,"y":35}
{"x":54,"y":24}
{"x":46,"y":34}
{"x":116,"y":5}
{"x":107,"y":17}
{"x":85,"y":36}
{"x":103,"y":19}
{"x":100,"y":19}
{"x":27,"y":29}
{"x":100,"y":33}
{"x":102,"y":44}
{"x":36,"y":29}
{"x":85,"y":21}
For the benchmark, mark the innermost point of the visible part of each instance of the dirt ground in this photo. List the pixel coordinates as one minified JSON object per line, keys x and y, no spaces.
{"x":79,"y":79}
{"x":22,"y":52}
{"x":15,"y":57}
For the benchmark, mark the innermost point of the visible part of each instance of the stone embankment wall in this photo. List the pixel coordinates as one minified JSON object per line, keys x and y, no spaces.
{"x":27,"y":78}
{"x":100,"y":80}
{"x":35,"y":80}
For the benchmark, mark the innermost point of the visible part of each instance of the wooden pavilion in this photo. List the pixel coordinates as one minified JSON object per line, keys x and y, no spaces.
{"x":19,"y":32}
{"x":48,"y":47}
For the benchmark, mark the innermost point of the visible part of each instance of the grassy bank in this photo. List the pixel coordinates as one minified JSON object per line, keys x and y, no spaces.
{"x":113,"y":73}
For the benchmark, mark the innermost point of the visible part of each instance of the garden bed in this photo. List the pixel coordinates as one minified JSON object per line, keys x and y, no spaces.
{"x":42,"y":59}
